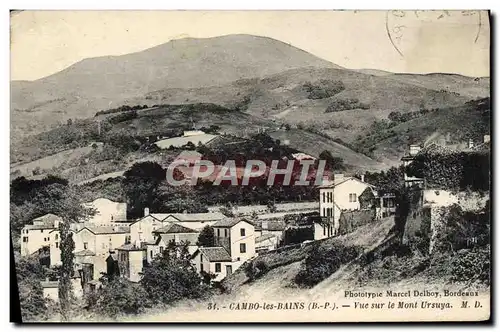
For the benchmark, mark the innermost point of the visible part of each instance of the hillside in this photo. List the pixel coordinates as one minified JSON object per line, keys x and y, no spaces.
{"x":283,"y":96}
{"x":469,"y":121}
{"x":91,"y":84}
{"x":314,"y":144}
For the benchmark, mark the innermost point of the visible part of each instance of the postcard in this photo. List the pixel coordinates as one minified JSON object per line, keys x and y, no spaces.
{"x":250,"y":166}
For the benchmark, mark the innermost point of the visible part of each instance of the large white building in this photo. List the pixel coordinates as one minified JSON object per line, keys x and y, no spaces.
{"x":343,"y":193}
{"x":37,"y":235}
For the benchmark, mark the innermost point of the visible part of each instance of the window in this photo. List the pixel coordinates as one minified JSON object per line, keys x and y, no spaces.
{"x":85,"y":245}
{"x":57,"y":244}
{"x":225,"y":232}
{"x":324,"y":200}
{"x":161,"y":250}
{"x":324,"y":230}
{"x":218,"y":232}
{"x":242,"y":231}
{"x":217,"y":267}
{"x":57,"y":236}
{"x":25,"y":239}
{"x":151,"y":254}
{"x":41,"y":231}
{"x":243,"y":248}
{"x":352,"y":198}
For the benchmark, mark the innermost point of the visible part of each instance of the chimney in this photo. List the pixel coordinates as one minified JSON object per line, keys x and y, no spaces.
{"x":486,"y":138}
{"x":471,"y":143}
{"x":414,"y":149}
{"x":362,"y":178}
{"x":146,"y":211}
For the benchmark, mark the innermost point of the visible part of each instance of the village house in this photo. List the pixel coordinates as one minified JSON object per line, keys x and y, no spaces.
{"x":386,"y":205}
{"x":343,"y":193}
{"x":237,"y":236}
{"x":93,"y":244}
{"x":37,"y":235}
{"x":194,"y":137}
{"x":172,"y":232}
{"x":107,"y":212}
{"x":234,"y":245}
{"x":141,"y":230}
{"x":130,"y":261}
{"x":275,"y":226}
{"x":50,"y":288}
{"x":266,"y":243}
{"x":214,"y":260}
{"x":407,"y":159}
{"x":194,"y":221}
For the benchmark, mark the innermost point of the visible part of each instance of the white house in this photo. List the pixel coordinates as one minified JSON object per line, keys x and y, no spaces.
{"x":343,"y":193}
{"x":266,"y":242}
{"x":171,"y":232}
{"x":237,"y":236}
{"x":234,"y":245}
{"x":214,"y":260}
{"x":37,"y":235}
{"x":93,"y":244}
{"x":107,"y":211}
{"x":130,"y":261}
{"x":141,"y":230}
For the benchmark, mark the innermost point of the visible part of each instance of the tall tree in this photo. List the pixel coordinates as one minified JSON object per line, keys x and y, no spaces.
{"x":140,"y":185}
{"x":65,"y":202}
{"x":172,"y":277}
{"x":206,"y":237}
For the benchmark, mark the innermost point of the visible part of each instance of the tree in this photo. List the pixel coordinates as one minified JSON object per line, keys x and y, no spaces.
{"x":141,"y":185}
{"x":206,"y":237}
{"x":395,"y":116}
{"x":65,"y":203}
{"x":271,"y":206}
{"x":29,"y":272}
{"x":171,"y":276}
{"x":332,"y":163}
{"x":67,"y":246}
{"x":119,"y":297}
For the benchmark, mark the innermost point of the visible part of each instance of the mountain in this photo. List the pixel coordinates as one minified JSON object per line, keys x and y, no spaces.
{"x":265,"y":80}
{"x":83,"y":88}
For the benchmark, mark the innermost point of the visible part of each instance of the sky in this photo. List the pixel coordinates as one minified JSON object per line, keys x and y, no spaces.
{"x":45,"y":42}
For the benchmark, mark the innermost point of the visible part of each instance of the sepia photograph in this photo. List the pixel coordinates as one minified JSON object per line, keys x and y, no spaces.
{"x":224,"y":166}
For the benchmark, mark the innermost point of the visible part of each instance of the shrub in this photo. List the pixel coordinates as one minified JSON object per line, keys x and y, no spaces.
{"x":323,"y":89}
{"x":346,"y":104}
{"x":256,"y":269}
{"x":321,"y":262}
{"x":471,"y":265}
{"x":119,"y":297}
